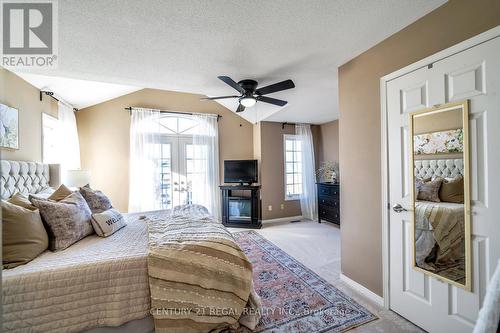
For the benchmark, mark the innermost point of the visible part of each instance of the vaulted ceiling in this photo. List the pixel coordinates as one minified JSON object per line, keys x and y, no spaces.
{"x":183,"y":45}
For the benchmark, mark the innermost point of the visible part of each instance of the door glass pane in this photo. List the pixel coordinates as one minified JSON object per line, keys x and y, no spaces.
{"x":165,"y":186}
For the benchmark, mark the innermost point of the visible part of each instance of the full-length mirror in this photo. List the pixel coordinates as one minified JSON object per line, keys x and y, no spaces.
{"x":440,"y":174}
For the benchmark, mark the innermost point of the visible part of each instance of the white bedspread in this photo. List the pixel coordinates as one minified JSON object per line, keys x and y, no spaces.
{"x":95,"y":282}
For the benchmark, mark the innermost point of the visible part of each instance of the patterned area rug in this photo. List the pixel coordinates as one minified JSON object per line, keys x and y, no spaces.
{"x":294,"y":298}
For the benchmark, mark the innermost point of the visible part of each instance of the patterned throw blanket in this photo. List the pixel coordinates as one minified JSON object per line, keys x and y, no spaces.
{"x":446,"y":227}
{"x":200,"y":279}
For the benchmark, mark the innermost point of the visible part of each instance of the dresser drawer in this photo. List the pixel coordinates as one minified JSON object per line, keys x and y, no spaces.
{"x":325,"y":200}
{"x":329,"y":202}
{"x":328,"y":190}
{"x":329,"y":213}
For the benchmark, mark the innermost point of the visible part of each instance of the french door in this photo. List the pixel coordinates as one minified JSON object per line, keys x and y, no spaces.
{"x":176,"y":170}
{"x":472,"y":74}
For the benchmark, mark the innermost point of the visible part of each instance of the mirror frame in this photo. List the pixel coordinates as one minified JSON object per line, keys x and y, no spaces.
{"x":464,"y":105}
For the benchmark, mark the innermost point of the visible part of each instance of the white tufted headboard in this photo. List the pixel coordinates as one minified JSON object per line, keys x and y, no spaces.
{"x":27,"y":177}
{"x":442,"y":168}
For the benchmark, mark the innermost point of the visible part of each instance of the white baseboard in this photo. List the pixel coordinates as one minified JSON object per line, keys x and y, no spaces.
{"x":283,"y":219}
{"x":362,"y":290}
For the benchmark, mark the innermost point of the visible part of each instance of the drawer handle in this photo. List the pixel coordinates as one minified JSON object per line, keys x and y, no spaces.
{"x":323,"y":201}
{"x":334,"y":192}
{"x":323,"y":212}
{"x":336,"y":216}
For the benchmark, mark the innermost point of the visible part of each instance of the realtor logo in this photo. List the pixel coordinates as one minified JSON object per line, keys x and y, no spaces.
{"x":29,"y":33}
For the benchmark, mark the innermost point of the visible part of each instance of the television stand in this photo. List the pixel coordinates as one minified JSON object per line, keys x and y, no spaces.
{"x":241,"y":206}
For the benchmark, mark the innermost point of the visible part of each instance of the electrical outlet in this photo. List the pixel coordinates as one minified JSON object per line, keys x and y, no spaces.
{"x":270,"y":208}
{"x":282,"y":206}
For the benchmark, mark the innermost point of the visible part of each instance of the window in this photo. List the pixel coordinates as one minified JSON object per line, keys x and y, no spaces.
{"x":293,"y":167}
{"x":179,"y":161}
{"x":50,"y":152}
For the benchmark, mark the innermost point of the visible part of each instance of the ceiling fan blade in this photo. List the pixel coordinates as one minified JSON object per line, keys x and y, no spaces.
{"x":240,"y":108}
{"x":283,"y":85}
{"x":232,"y":83}
{"x":219,"y":97}
{"x":271,"y":100}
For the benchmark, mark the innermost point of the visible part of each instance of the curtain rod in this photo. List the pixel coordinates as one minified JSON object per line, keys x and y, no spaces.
{"x":51,"y":94}
{"x":129,"y":109}
{"x":294,"y":124}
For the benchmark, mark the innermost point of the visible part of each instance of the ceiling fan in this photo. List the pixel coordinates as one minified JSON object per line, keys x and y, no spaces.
{"x":250,"y":94}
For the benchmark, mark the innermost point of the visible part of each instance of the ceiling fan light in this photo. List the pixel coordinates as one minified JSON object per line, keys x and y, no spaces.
{"x":248,"y":102}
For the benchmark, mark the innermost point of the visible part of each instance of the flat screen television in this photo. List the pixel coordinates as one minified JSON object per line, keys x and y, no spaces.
{"x":240,"y":171}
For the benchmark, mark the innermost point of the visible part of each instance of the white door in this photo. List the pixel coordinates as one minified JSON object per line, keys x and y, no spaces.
{"x":473,"y":74}
{"x":174,"y":187}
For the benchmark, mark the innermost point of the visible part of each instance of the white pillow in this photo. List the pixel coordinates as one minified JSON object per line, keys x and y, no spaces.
{"x":107,"y":222}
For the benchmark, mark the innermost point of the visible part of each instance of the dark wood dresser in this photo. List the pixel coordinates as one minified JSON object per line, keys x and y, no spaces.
{"x":329,"y":202}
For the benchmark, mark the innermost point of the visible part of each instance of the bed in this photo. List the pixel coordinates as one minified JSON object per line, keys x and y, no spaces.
{"x":95,"y":282}
{"x":439,"y":226}
{"x":96,"y":285}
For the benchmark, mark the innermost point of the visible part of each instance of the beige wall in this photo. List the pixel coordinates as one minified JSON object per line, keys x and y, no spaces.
{"x":359,"y":103}
{"x":268,"y":149}
{"x":104,"y":136}
{"x":436,"y":122}
{"x":272,"y":176}
{"x":328,"y":142}
{"x":19,"y":94}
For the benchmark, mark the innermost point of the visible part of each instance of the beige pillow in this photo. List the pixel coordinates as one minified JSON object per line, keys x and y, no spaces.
{"x":20,"y":200}
{"x":23,"y":235}
{"x":452,"y":190}
{"x":62,"y":192}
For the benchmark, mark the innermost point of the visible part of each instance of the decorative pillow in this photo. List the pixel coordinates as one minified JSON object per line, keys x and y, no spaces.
{"x":107,"y":222}
{"x":97,"y":201}
{"x":452,"y":190}
{"x":23,"y":235}
{"x":20,"y":200}
{"x":418,"y":183}
{"x":67,"y":221}
{"x":62,"y":192}
{"x":45,"y":193}
{"x":429,"y":191}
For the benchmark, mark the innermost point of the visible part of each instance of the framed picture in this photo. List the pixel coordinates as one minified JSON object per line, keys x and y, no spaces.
{"x":442,"y":142}
{"x":9,"y":127}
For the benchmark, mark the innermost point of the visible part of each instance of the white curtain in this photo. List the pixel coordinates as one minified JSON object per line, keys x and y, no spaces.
{"x":308,"y":196}
{"x":205,"y":187}
{"x":68,"y":143}
{"x":145,"y":154}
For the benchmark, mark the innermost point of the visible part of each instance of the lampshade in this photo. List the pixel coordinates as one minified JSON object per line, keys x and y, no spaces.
{"x":77,"y":178}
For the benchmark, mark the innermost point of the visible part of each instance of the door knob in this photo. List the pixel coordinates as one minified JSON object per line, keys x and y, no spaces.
{"x":398,"y":208}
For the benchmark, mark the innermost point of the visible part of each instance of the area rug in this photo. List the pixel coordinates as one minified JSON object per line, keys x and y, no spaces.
{"x":294,"y":298}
